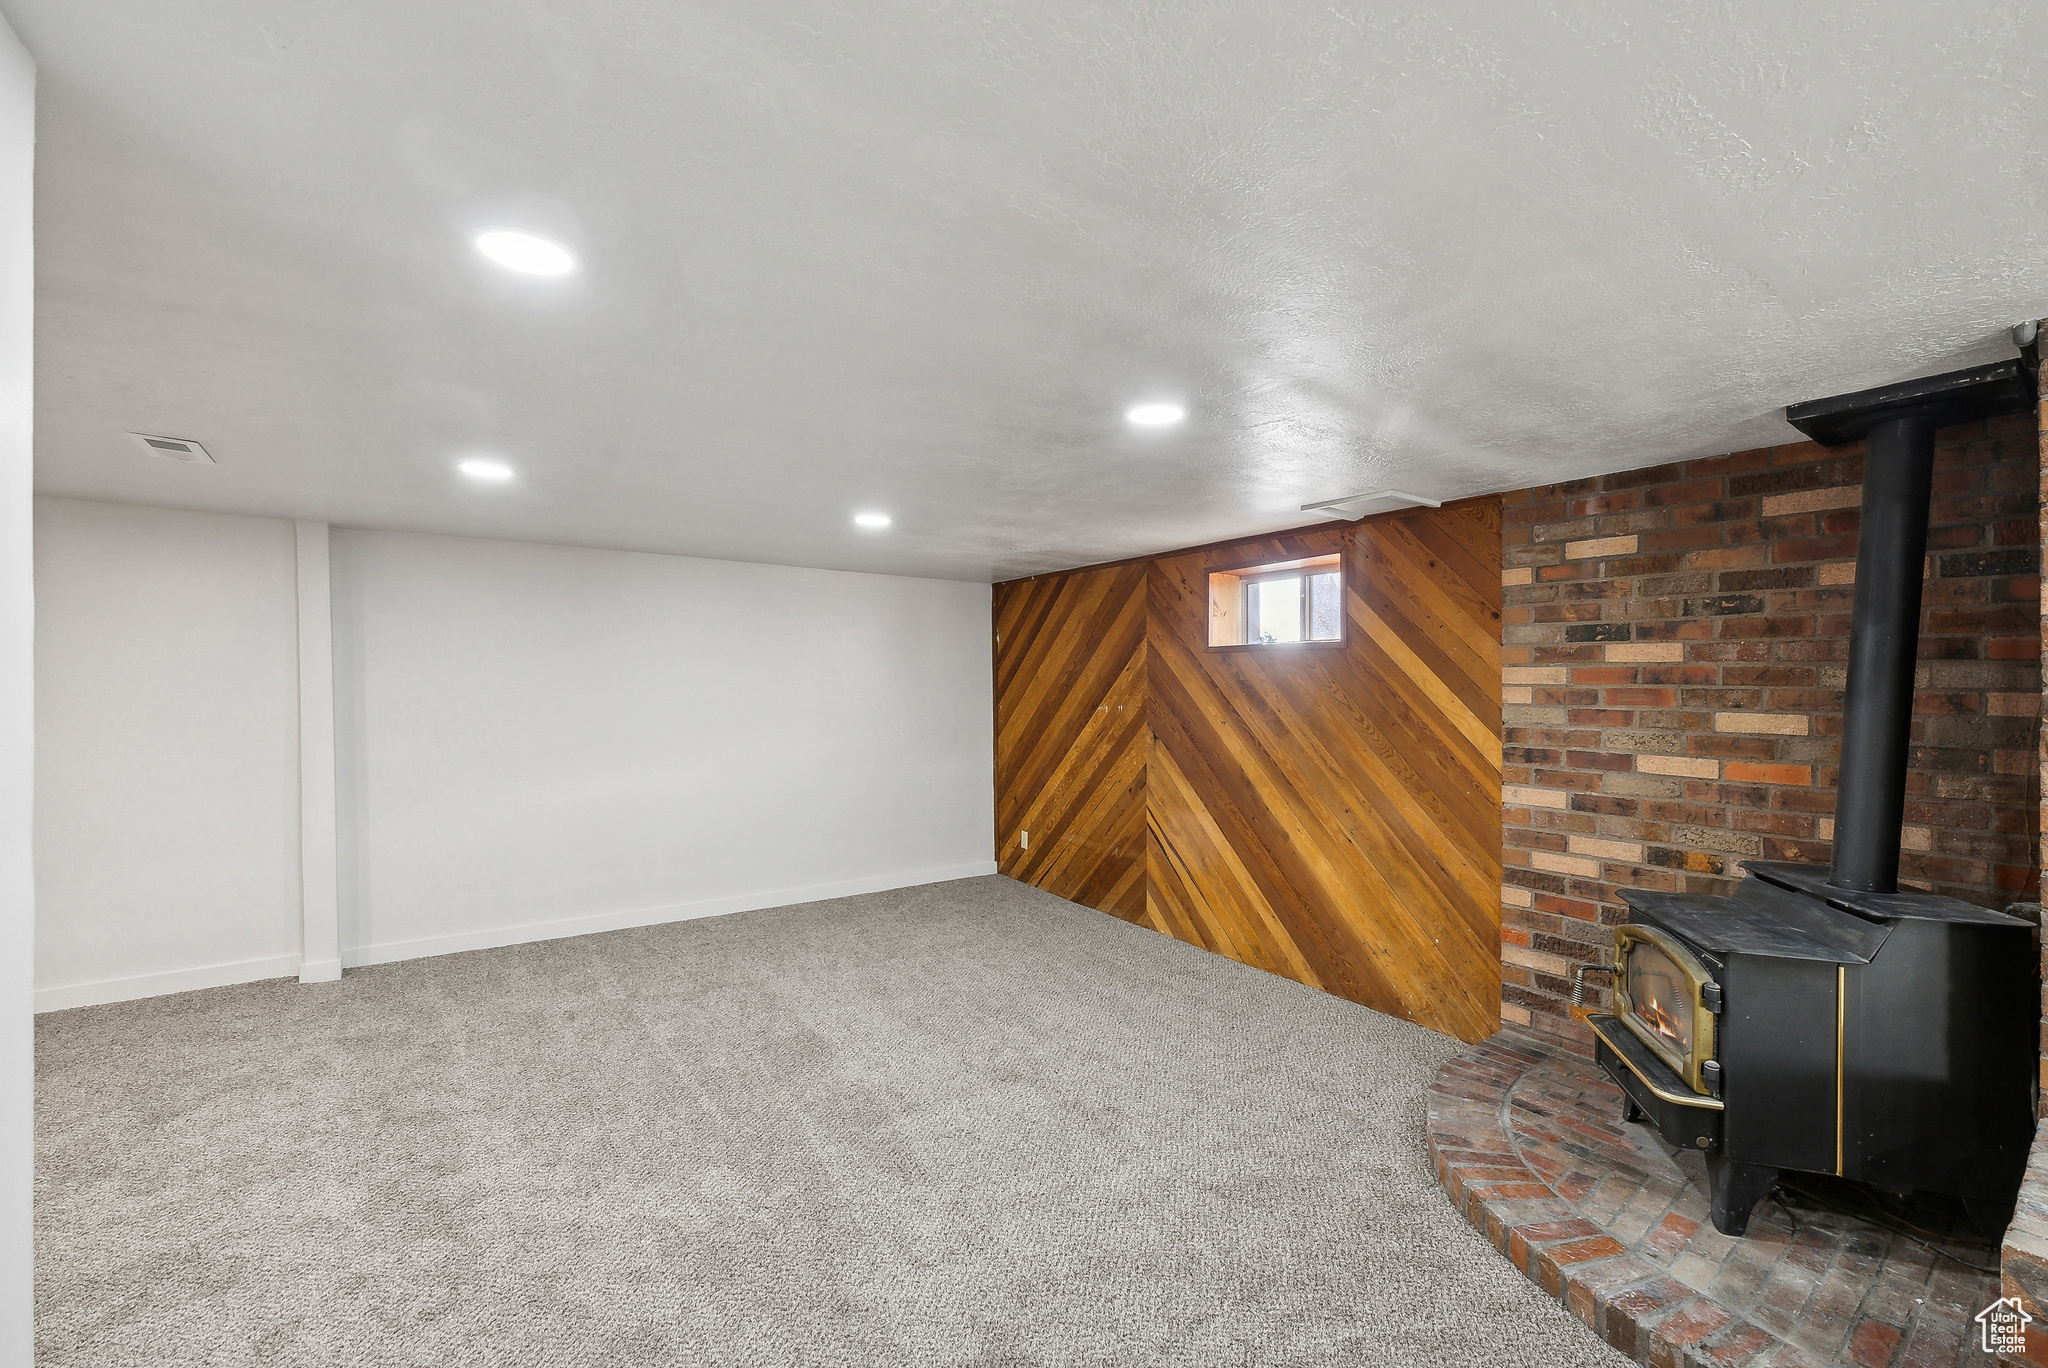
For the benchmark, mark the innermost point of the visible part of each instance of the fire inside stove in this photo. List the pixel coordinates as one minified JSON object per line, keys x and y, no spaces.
{"x":1660,"y":999}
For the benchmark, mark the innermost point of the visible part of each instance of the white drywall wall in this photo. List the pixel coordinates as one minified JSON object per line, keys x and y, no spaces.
{"x":167,"y":761}
{"x":530,"y":741}
{"x":541,"y":740}
{"x":17,"y":700}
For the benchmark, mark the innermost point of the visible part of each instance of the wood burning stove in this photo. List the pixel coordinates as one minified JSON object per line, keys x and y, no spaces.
{"x":1881,"y":1037}
{"x":1819,"y":1020}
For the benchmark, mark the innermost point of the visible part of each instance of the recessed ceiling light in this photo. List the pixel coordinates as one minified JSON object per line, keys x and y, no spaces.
{"x":528,"y":253}
{"x":486,"y":470}
{"x":1156,"y":415}
{"x":872,"y":520}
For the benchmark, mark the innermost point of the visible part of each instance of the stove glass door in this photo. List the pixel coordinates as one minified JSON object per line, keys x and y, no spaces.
{"x":1660,"y":998}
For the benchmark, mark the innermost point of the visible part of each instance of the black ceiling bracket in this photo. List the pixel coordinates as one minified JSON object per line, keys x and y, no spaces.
{"x":1957,"y":397}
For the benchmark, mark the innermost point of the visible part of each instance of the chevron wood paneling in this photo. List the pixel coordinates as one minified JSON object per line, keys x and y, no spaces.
{"x":1070,"y":736}
{"x":1327,"y":813}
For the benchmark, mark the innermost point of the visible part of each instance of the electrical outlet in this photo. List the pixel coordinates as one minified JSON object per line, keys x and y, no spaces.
{"x":1024,"y":839}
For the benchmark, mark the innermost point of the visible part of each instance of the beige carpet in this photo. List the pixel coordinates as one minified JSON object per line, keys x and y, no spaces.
{"x":967,"y":1123}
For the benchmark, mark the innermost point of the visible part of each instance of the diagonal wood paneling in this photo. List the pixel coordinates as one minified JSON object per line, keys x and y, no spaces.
{"x":1070,"y":736}
{"x":1330,"y":814}
{"x":1351,"y":796}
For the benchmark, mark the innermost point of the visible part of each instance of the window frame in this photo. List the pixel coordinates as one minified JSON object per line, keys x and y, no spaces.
{"x":1300,"y":567}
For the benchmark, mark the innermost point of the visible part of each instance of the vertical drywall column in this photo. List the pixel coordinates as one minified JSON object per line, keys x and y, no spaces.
{"x":17,"y":702}
{"x":317,"y":874}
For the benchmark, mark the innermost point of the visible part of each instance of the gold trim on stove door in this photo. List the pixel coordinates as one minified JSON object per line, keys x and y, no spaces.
{"x":1702,"y":1019}
{"x":1704,"y":1103}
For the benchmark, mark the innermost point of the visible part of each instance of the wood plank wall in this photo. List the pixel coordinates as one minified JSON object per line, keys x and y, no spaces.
{"x":1327,"y":813}
{"x":1070,"y":735}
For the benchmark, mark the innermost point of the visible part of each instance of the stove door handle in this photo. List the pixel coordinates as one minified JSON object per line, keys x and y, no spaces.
{"x":1579,"y":973}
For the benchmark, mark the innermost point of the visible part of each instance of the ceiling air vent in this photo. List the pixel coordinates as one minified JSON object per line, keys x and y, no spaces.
{"x":1377,"y":501}
{"x":173,"y":448}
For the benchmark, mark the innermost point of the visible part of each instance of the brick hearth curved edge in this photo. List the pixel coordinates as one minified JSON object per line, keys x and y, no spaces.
{"x":2023,"y":1259}
{"x":1825,"y":1291}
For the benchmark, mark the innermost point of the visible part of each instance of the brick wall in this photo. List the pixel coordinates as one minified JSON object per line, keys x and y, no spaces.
{"x":1673,"y":648}
{"x":2023,"y":1255}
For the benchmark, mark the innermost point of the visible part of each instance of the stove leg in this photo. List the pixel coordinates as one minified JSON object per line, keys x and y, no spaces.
{"x":1735,"y":1188}
{"x":1631,"y":1114}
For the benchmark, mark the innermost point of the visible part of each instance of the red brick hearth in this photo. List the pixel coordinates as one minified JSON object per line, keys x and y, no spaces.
{"x":1526,"y":1139}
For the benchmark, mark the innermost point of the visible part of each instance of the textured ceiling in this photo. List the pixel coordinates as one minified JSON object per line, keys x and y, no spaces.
{"x":920,"y":256}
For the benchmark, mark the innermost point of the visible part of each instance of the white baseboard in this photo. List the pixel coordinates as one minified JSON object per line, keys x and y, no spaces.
{"x":492,"y":938}
{"x":289,"y":966}
{"x":156,"y":985}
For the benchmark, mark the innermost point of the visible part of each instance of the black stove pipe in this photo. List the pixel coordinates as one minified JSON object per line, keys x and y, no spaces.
{"x":1884,"y":638}
{"x":1897,"y":424}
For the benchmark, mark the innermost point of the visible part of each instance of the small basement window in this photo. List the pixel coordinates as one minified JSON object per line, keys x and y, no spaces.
{"x":1285,"y":603}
